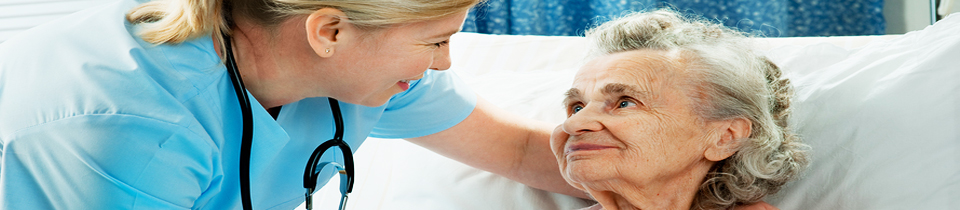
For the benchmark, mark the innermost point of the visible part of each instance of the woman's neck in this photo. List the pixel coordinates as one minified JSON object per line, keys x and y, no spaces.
{"x":635,"y":199}
{"x":671,"y":193}
{"x":268,"y":61}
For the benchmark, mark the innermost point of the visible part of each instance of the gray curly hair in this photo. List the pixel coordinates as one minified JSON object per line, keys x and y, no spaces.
{"x":733,"y":82}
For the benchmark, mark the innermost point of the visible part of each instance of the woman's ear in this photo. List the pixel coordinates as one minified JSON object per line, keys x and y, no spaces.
{"x":325,"y":29}
{"x":732,"y":131}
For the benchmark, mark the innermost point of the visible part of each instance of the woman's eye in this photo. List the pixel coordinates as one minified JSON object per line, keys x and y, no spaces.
{"x":441,"y":44}
{"x":625,"y":104}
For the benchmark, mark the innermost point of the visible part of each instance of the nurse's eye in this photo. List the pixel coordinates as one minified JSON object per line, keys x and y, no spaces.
{"x":441,"y":44}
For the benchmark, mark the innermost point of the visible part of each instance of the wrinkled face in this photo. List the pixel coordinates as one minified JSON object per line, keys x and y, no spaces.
{"x":630,"y":119}
{"x":385,"y":62}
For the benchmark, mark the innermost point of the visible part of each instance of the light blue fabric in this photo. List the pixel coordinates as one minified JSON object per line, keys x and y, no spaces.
{"x":770,"y":18}
{"x":93,"y":118}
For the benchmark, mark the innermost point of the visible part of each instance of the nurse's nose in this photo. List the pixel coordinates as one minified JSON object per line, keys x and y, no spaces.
{"x":441,"y":59}
{"x":584,"y":121}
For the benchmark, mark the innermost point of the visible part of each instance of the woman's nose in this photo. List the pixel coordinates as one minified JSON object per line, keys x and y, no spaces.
{"x":585,"y":121}
{"x":441,"y":59}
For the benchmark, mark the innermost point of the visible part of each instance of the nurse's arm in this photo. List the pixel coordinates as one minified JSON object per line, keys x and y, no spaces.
{"x":495,"y":140}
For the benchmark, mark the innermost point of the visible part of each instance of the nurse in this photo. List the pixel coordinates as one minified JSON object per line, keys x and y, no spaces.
{"x":130,"y":106}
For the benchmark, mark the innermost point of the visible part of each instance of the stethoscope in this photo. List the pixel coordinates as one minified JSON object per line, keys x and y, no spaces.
{"x":312,"y":170}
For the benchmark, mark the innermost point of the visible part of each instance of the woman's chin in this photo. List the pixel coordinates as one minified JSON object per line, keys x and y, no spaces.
{"x":585,"y":172}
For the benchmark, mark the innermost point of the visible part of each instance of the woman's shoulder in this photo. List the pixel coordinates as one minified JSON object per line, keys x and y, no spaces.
{"x":99,"y":38}
{"x":93,"y":62}
{"x":90,"y":30}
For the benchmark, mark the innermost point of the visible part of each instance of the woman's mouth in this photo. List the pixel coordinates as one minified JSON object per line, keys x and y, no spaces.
{"x":585,"y":147}
{"x":404,"y":84}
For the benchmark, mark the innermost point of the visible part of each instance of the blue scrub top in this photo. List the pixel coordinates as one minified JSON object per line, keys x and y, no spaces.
{"x":92,"y":117}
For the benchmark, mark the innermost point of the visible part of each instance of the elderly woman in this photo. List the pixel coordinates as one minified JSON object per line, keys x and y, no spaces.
{"x":677,"y":113}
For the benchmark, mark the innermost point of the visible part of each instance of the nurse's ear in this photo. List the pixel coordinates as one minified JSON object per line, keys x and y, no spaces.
{"x":326,"y":28}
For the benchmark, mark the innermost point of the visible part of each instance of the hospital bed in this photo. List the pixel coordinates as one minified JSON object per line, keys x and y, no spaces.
{"x":881,"y":113}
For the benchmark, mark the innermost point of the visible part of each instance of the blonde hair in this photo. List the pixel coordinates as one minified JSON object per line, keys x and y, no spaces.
{"x":175,"y":21}
{"x":732,"y":81}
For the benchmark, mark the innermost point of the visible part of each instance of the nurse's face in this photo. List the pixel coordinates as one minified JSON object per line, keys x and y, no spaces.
{"x":388,"y":60}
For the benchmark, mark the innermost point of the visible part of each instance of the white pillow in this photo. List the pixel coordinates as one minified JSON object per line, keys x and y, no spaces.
{"x":883,"y":121}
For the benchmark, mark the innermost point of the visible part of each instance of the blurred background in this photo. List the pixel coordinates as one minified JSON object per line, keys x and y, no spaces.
{"x":769,"y":18}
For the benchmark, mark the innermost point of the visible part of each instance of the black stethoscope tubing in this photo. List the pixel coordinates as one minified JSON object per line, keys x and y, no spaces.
{"x":246,"y":139}
{"x":310,"y":172}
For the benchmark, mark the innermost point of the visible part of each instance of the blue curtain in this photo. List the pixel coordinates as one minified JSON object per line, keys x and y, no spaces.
{"x":769,"y":18}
